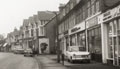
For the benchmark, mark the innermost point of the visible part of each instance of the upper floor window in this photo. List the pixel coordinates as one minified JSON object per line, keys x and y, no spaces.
{"x":93,"y":7}
{"x":97,"y":6}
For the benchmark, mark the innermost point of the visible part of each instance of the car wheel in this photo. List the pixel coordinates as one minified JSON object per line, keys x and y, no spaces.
{"x":71,"y":60}
{"x":88,"y":61}
{"x":68,"y":60}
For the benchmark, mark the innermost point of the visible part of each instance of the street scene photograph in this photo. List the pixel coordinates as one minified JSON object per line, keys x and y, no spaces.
{"x":59,"y":34}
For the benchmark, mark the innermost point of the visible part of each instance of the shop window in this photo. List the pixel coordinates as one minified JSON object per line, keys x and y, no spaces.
{"x":119,"y":46}
{"x":110,"y":48}
{"x":118,"y":24}
{"x":81,"y":39}
{"x":73,"y":40}
{"x":115,"y":27}
{"x":118,"y":27}
{"x":110,"y":28}
{"x":94,"y":41}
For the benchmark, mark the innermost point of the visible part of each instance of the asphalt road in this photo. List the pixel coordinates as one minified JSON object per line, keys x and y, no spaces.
{"x":16,"y":61}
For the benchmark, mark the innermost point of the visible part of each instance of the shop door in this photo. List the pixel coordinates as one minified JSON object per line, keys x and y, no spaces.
{"x":115,"y":52}
{"x":118,"y":50}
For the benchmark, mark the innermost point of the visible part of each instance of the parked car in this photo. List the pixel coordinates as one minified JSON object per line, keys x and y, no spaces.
{"x":28,"y":52}
{"x":19,"y":51}
{"x":77,"y":53}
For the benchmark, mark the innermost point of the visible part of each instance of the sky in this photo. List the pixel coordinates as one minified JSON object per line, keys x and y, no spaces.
{"x":13,"y":12}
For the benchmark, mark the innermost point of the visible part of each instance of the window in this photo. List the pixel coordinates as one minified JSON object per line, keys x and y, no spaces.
{"x":93,"y":9}
{"x":83,"y":11}
{"x":31,"y":32}
{"x":81,"y":39}
{"x":93,"y":1}
{"x":115,"y":27}
{"x":73,"y":40}
{"x":71,"y":5}
{"x":97,"y":6}
{"x":94,"y":40}
{"x":88,"y":9}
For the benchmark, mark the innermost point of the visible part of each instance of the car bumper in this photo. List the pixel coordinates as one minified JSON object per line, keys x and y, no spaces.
{"x":80,"y":59}
{"x":28,"y":54}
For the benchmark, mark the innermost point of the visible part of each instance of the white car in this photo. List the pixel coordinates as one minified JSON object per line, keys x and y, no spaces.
{"x":76,"y":53}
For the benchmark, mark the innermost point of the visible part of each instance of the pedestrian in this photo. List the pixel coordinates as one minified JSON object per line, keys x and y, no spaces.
{"x":63,"y":58}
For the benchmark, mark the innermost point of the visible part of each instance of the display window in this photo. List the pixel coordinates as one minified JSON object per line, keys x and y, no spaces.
{"x":81,"y":40}
{"x":94,"y":40}
{"x":73,"y":40}
{"x":114,"y":41}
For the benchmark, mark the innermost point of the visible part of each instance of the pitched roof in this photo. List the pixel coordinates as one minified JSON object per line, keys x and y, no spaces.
{"x":35,"y":18}
{"x":25,"y":22}
{"x":31,"y":20}
{"x":45,"y":15}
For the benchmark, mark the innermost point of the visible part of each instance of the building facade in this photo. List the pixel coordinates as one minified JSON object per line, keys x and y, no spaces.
{"x":51,"y":33}
{"x":110,"y":35}
{"x":34,"y":32}
{"x":94,"y":25}
{"x":77,"y":25}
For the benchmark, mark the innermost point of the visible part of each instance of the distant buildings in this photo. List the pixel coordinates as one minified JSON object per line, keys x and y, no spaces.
{"x":32,"y":33}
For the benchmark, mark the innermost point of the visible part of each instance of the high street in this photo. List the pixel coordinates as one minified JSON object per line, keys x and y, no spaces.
{"x":18,"y":61}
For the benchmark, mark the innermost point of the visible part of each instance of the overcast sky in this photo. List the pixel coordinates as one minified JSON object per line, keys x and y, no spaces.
{"x":12,"y":12}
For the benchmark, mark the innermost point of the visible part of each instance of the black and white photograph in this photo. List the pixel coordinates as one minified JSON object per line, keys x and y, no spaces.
{"x":59,"y":34}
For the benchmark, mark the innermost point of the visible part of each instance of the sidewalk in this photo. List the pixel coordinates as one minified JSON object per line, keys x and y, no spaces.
{"x":50,"y":62}
{"x":46,"y":62}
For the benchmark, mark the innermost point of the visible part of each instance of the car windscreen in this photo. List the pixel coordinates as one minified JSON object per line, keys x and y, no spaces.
{"x":82,"y":49}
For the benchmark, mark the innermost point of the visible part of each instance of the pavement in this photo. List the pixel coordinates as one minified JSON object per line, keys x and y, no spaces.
{"x":50,"y":62}
{"x":47,"y":62}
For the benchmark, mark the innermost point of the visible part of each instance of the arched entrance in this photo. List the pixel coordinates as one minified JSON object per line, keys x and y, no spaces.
{"x":43,"y":47}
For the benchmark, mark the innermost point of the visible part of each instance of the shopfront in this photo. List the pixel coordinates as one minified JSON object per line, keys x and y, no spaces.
{"x":111,"y":36}
{"x":94,"y":39}
{"x":77,"y":35}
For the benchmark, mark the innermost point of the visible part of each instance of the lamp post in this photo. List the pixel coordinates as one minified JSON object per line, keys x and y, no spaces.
{"x":57,"y":40}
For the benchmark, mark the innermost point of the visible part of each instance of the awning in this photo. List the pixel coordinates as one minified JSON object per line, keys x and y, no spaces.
{"x":5,"y":45}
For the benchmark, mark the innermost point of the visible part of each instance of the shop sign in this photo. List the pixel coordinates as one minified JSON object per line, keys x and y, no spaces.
{"x":115,"y":12}
{"x":100,"y":19}
{"x":77,"y":28}
{"x":92,"y":22}
{"x":107,"y":15}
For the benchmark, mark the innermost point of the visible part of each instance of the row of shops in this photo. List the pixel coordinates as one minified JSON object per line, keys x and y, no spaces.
{"x":40,"y":45}
{"x":99,"y":34}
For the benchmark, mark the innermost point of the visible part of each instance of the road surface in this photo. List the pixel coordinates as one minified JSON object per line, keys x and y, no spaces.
{"x":16,"y":61}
